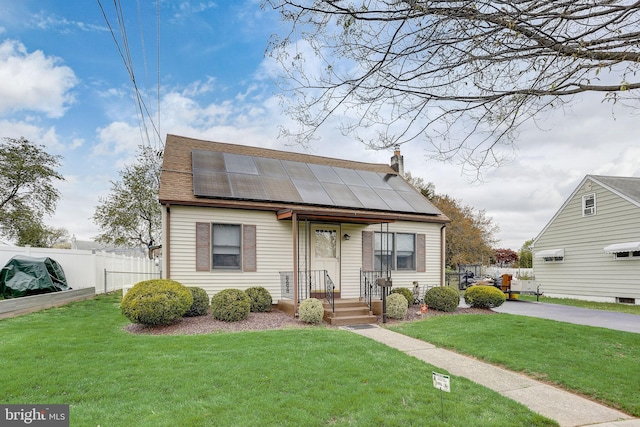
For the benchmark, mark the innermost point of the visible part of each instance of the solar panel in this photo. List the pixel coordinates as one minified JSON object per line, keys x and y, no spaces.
{"x":297,"y":170}
{"x":325,"y":173}
{"x":270,"y":167}
{"x":210,"y":183}
{"x":342,"y":196}
{"x":312,"y":192}
{"x":245,"y":186}
{"x":281,"y":189}
{"x":238,"y":176}
{"x":240,"y":164}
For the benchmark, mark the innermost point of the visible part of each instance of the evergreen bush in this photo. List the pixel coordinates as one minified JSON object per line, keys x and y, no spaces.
{"x":311,"y":311}
{"x":406,"y":293}
{"x":260,"y":299}
{"x":442,"y":298}
{"x":156,"y":302}
{"x":484,"y":296}
{"x":200,"y":304}
{"x":397,"y":306}
{"x":230,"y":305}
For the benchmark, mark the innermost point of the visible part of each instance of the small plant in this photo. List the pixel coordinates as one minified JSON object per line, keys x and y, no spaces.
{"x":230,"y":305}
{"x":200,"y":302}
{"x":156,"y":302}
{"x":484,"y":297}
{"x":311,"y":311}
{"x":442,"y":298}
{"x":397,"y":306}
{"x":260,"y":299}
{"x":406,"y":293}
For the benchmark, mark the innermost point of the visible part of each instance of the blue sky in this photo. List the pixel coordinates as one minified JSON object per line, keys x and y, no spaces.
{"x":63,"y":84}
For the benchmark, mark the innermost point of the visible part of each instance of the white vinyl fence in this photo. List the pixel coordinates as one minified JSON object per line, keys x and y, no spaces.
{"x":103,"y":271}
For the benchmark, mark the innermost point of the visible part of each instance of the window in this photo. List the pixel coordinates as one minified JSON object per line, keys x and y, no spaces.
{"x":395,"y":251}
{"x":226,"y":247}
{"x":627,"y":255}
{"x":589,"y":204}
{"x":553,"y":258}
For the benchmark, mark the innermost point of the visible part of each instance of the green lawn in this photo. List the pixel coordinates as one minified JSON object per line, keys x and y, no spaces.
{"x":80,"y":355}
{"x":607,"y":306}
{"x":597,"y":362}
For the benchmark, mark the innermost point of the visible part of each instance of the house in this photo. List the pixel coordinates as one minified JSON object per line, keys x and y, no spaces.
{"x":591,"y":247}
{"x":298,"y":225}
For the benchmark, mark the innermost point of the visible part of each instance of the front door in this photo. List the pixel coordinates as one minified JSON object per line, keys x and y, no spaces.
{"x":325,"y":241}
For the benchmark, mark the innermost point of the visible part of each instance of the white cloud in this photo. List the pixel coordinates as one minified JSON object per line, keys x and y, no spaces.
{"x":33,"y":81}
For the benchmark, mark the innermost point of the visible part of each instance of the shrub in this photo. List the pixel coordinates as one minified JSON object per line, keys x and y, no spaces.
{"x":311,"y":311}
{"x":230,"y":305}
{"x":442,"y":298}
{"x":484,"y":296}
{"x":406,"y":293}
{"x":397,"y":306}
{"x":200,"y":302}
{"x":156,"y":302}
{"x":260,"y":299}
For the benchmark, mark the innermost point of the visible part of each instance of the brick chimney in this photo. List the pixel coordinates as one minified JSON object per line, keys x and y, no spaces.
{"x":397,"y":161}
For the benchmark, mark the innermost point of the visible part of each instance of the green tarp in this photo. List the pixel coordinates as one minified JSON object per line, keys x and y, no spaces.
{"x":24,"y":276}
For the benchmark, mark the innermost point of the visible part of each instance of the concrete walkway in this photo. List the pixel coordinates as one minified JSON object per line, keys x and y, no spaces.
{"x":565,"y":408}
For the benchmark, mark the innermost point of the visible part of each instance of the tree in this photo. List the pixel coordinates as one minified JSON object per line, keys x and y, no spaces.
{"x":27,"y":192}
{"x":463,"y":74}
{"x":526,"y":255}
{"x":131,"y":215}
{"x":469,"y":236}
{"x":41,"y":236}
{"x":505,"y":257}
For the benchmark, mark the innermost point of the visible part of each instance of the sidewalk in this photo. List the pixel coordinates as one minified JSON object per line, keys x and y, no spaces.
{"x":566,"y":408}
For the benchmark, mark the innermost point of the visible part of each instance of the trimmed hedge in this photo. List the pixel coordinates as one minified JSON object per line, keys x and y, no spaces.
{"x":442,"y":298}
{"x":406,"y":293}
{"x":200,"y":304}
{"x":311,"y":311}
{"x":484,"y":296}
{"x":230,"y":305}
{"x":260,"y":299}
{"x":397,"y":306}
{"x":156,"y":302}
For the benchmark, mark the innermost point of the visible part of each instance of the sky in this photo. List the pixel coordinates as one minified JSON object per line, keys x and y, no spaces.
{"x":202,"y":72}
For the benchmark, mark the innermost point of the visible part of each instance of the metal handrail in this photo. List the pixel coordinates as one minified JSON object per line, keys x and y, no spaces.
{"x":368,"y":286}
{"x":308,"y":281}
{"x":329,"y":288}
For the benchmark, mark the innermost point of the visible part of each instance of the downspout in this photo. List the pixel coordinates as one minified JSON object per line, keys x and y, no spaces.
{"x":166,"y":248}
{"x":443,"y":240}
{"x":294,"y":226}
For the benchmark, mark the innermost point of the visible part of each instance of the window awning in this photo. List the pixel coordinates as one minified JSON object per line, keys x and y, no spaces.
{"x":550,"y":253}
{"x":622,"y":247}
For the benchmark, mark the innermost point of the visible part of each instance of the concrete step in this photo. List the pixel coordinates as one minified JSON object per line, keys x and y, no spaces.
{"x":353,"y":320}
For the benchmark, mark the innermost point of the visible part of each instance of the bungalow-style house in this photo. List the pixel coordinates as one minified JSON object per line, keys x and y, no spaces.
{"x":591,"y":247}
{"x":298,"y":225}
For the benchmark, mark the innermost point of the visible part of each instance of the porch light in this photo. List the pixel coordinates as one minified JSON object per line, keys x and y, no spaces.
{"x":346,"y":236}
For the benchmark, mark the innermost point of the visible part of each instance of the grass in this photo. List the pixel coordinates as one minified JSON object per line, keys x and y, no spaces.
{"x":80,"y":355}
{"x":600,"y":363}
{"x":607,"y":306}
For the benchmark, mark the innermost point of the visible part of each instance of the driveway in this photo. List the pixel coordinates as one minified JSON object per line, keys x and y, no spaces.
{"x":580,"y":316}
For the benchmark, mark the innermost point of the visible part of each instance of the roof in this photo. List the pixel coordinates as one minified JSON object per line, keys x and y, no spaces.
{"x":206,"y":173}
{"x":626,"y":187}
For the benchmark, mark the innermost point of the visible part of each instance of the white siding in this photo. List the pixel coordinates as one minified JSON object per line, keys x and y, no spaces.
{"x":275,"y":252}
{"x":587,"y":272}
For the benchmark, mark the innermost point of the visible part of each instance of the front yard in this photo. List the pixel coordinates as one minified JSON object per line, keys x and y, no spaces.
{"x":81,"y":355}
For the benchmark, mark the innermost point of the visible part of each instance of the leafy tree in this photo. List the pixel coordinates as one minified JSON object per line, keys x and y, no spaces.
{"x":463,"y":75}
{"x":27,"y":192}
{"x":526,"y":255}
{"x":505,"y":257}
{"x":41,"y":236}
{"x":131,"y":215}
{"x":469,"y":236}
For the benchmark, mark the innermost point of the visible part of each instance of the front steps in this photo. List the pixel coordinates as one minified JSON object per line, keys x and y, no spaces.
{"x":348,"y":312}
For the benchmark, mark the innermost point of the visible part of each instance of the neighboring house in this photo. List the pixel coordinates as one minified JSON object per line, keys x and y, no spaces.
{"x":591,"y":247}
{"x":298,"y":225}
